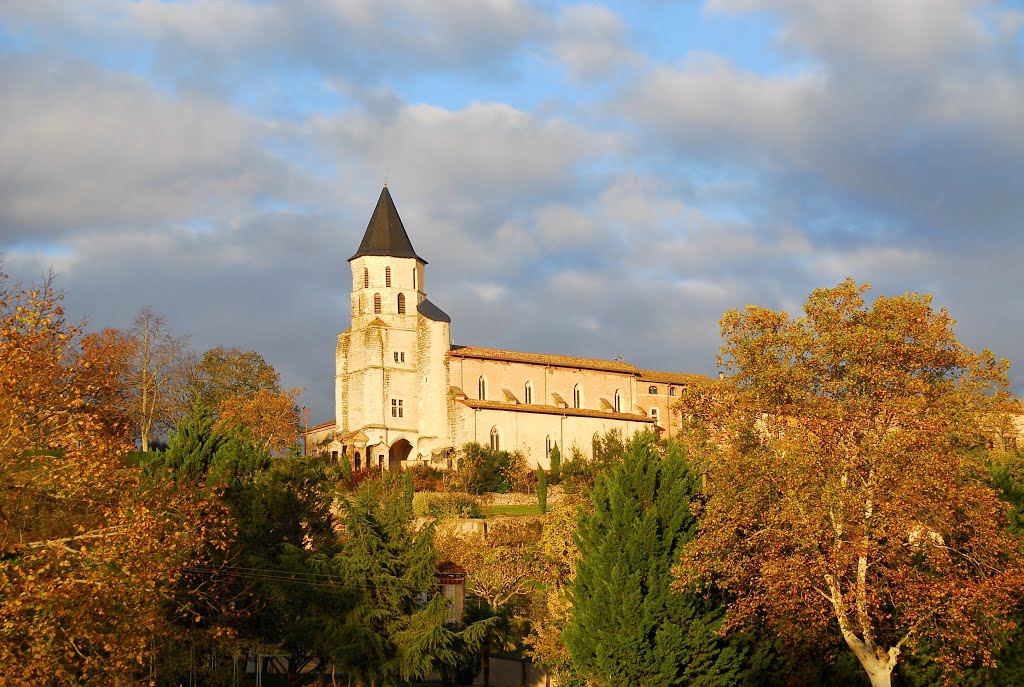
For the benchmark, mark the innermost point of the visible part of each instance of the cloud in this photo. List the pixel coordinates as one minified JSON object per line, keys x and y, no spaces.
{"x":878,"y":34}
{"x":85,"y":150}
{"x":208,"y":44}
{"x":591,"y":42}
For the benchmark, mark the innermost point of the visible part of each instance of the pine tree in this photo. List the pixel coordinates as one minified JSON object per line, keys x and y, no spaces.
{"x":192,"y":446}
{"x":399,"y":625}
{"x":628,"y":626}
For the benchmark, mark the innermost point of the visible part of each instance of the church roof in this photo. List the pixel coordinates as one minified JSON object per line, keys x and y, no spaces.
{"x":543,"y":359}
{"x":385,"y":234}
{"x":553,"y":410}
{"x":681,"y":378}
{"x":432,"y":312}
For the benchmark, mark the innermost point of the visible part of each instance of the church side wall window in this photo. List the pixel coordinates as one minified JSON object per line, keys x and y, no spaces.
{"x":547,"y":446}
{"x":396,"y":408}
{"x":577,"y":396}
{"x":672,"y":391}
{"x":495,"y":439}
{"x":618,"y":402}
{"x":654,"y":415}
{"x":376,"y":303}
{"x":401,"y":304}
{"x":652,"y":389}
{"x":387,"y":277}
{"x":481,"y":388}
{"x":528,"y":394}
{"x":415,"y":278}
{"x":366,"y":278}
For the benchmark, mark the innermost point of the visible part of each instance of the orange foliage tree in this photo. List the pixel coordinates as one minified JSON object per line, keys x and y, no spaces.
{"x":839,"y":495}
{"x":270,"y":417}
{"x":90,"y":552}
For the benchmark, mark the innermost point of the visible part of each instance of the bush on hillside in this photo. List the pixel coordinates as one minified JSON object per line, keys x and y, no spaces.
{"x":425,"y":504}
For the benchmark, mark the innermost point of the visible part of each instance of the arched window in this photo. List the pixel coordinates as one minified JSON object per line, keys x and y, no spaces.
{"x":366,"y":278}
{"x":376,"y":303}
{"x":401,"y":304}
{"x":652,"y":389}
{"x":528,"y":393}
{"x":671,"y":391}
{"x":547,"y":446}
{"x":387,"y":277}
{"x":577,"y":397}
{"x":618,"y":402}
{"x":357,"y":461}
{"x":495,"y":439}
{"x":481,"y":388}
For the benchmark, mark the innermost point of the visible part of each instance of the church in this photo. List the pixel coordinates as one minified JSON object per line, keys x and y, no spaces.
{"x":405,"y":395}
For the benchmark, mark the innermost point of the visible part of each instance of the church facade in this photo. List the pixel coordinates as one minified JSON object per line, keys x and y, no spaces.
{"x":404,"y":394}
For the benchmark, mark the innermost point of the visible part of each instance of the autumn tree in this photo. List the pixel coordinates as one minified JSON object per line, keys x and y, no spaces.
{"x":224,"y":373}
{"x":271,"y":418}
{"x":839,"y":497}
{"x":90,"y":551}
{"x":628,"y":626}
{"x":160,"y":366}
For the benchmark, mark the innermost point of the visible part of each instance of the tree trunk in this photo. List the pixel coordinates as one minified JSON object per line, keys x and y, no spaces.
{"x":878,"y":668}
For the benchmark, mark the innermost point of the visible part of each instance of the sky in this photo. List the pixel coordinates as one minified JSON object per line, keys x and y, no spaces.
{"x":594,"y":179}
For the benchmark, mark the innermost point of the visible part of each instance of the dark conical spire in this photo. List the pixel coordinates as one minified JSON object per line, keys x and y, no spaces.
{"x":385,"y":234}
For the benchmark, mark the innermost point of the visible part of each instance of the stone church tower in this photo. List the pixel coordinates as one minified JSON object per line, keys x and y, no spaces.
{"x":392,"y":378}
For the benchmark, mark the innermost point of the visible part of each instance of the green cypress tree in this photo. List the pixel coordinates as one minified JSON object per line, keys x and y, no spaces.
{"x":191,"y":447}
{"x":628,"y":626}
{"x":556,"y":464}
{"x":542,"y":490}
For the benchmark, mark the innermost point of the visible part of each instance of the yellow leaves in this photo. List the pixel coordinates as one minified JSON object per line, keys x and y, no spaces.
{"x":271,"y":417}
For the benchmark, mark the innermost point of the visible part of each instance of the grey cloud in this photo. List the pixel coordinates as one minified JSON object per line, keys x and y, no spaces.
{"x":590,"y":41}
{"x":906,"y":35}
{"x":209,"y":44}
{"x":84,"y":149}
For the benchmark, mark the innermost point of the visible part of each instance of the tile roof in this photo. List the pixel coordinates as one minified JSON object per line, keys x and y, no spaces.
{"x":543,"y":359}
{"x":385,"y":234}
{"x":682,"y":378}
{"x":553,"y":410}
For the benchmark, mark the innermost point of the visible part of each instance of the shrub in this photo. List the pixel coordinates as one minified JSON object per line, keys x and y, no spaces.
{"x":425,"y":504}
{"x":483,"y":469}
{"x":426,"y":478}
{"x":579,"y":474}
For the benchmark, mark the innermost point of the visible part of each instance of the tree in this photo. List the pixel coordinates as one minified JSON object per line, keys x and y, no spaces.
{"x":399,"y":626}
{"x":158,"y":375}
{"x":271,"y":418}
{"x":556,"y":464}
{"x":224,"y":373}
{"x":91,"y":553}
{"x":504,"y":570}
{"x":105,"y":371}
{"x":628,"y":625}
{"x":542,"y":490}
{"x":840,"y":497}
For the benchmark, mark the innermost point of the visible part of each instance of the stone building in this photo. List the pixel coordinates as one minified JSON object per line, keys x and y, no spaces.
{"x":404,"y":393}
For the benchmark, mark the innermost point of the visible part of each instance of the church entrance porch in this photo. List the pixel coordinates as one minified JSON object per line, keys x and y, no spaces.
{"x":399,"y":453}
